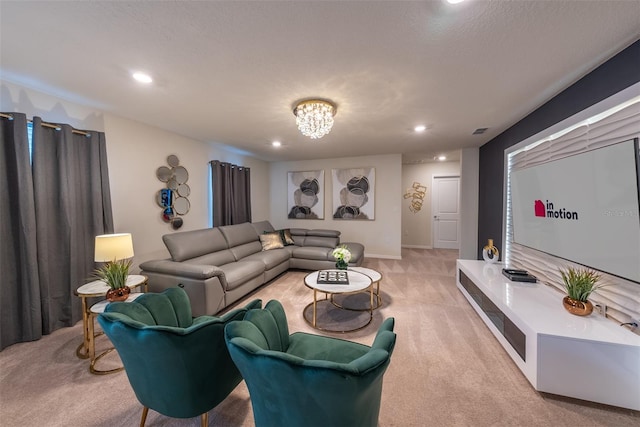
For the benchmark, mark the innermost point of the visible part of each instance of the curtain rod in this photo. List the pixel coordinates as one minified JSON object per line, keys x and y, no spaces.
{"x":47,"y":125}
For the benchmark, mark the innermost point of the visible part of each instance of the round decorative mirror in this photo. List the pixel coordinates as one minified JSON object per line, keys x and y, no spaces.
{"x":164,"y":173}
{"x":181,"y":175}
{"x":173,"y":161}
{"x":172,"y":183}
{"x":184,"y":190}
{"x":181,"y":205}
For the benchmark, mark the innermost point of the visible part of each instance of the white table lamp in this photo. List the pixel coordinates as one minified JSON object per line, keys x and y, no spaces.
{"x":113,"y":247}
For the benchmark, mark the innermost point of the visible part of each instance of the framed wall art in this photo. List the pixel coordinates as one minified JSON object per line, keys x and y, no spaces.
{"x":305,"y":195}
{"x":354,"y":193}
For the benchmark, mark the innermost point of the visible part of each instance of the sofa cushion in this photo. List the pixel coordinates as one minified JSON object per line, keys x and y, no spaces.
{"x":262,"y":227}
{"x":214,"y":258}
{"x":313,"y":252}
{"x":243,"y":251}
{"x":357,"y":251}
{"x":239,"y":234}
{"x":240,"y":272}
{"x":323,"y":242}
{"x":271,"y":241}
{"x":191,"y":244}
{"x":323,"y":233}
{"x":271,"y":258}
{"x":298,"y":235}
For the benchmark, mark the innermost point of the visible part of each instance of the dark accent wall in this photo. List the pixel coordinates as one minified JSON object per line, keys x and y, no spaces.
{"x":618,"y":73}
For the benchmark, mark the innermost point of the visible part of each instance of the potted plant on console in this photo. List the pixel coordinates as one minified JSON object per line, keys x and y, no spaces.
{"x":579,"y":283}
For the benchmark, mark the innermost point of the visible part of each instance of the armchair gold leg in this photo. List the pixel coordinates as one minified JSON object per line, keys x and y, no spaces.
{"x":145,"y":411}
{"x":205,"y":420}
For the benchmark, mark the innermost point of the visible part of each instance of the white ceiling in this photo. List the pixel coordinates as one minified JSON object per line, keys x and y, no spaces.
{"x":229,"y":72}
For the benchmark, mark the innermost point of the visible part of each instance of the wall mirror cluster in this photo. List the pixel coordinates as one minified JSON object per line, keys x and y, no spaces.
{"x":173,"y":199}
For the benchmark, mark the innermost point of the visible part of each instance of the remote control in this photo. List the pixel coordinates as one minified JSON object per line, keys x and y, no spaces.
{"x":515,"y":271}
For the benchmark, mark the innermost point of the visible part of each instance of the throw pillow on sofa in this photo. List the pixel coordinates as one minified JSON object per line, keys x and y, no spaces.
{"x":271,"y":241}
{"x":285,"y":235}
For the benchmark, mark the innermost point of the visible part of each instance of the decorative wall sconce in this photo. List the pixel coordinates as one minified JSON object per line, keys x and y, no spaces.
{"x":416,"y":193}
{"x":173,"y":199}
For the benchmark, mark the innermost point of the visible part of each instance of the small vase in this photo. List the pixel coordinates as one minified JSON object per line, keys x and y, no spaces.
{"x":490,"y":252}
{"x":119,"y":294}
{"x":579,"y":308}
{"x":342,"y":264}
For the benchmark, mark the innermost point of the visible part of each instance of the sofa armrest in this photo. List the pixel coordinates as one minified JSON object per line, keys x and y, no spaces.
{"x":174,"y":268}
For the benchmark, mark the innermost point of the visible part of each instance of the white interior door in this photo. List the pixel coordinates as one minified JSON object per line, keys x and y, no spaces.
{"x":446,"y":212}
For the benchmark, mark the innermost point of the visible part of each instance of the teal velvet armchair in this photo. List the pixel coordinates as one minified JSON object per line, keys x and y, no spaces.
{"x":304,"y":379}
{"x":177,"y":365}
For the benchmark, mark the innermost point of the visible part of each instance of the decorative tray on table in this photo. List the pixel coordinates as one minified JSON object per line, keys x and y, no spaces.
{"x":333,"y":277}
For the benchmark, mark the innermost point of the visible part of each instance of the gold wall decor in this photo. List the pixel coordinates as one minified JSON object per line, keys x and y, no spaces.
{"x":416,"y":193}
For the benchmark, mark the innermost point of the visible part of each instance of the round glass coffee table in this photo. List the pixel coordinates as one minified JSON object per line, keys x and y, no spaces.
{"x":358,"y":283}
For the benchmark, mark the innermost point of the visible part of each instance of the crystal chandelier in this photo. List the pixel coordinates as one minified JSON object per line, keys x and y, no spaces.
{"x":314,"y":117}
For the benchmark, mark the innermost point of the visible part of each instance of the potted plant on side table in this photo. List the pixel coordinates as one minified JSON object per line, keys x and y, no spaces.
{"x":115,"y":274}
{"x":579,"y":283}
{"x":116,"y":251}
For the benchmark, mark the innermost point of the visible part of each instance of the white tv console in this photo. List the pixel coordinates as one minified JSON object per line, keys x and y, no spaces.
{"x":590,"y":358}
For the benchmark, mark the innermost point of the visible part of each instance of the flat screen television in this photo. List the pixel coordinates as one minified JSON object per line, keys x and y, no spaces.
{"x":584,"y":208}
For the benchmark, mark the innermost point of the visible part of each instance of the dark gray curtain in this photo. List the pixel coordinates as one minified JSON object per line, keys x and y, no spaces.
{"x":50,"y":214}
{"x":20,"y":313}
{"x":231,"y":198}
{"x":73,"y":205}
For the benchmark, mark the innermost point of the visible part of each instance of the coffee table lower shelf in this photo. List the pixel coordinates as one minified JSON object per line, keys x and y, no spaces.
{"x":307,"y":314}
{"x":358,"y":283}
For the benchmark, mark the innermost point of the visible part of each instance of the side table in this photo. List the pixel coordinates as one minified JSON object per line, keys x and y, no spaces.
{"x":97,"y":288}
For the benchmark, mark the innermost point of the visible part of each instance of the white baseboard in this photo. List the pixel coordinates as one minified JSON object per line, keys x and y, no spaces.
{"x":382,"y":256}
{"x":417,"y":247}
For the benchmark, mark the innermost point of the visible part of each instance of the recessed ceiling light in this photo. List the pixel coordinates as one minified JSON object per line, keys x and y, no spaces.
{"x":276,"y":143}
{"x":454,"y":1}
{"x":442,"y":158}
{"x":420,"y":128}
{"x":142,"y":77}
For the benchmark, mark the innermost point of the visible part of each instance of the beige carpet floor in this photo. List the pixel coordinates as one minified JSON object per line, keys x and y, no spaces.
{"x":447,"y":368}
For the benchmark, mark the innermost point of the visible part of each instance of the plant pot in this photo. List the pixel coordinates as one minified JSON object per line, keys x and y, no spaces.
{"x":119,"y":294}
{"x":342,"y":265}
{"x":579,"y":308}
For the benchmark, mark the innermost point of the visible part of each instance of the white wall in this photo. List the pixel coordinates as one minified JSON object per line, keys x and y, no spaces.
{"x":381,"y":237}
{"x":134,"y":152}
{"x":416,"y":227}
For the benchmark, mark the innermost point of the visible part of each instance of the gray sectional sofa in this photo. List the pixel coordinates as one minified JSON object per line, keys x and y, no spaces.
{"x":218,"y":266}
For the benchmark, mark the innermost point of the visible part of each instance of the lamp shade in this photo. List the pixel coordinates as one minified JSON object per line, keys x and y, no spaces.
{"x":113,"y":247}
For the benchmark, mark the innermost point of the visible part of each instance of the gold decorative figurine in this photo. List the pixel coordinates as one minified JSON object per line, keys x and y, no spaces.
{"x":490,"y":252}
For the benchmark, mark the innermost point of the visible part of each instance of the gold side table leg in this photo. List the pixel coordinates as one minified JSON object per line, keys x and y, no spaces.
{"x":315,"y":304}
{"x":94,"y":370}
{"x":371,"y":301}
{"x":83,"y":349}
{"x":92,"y":351}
